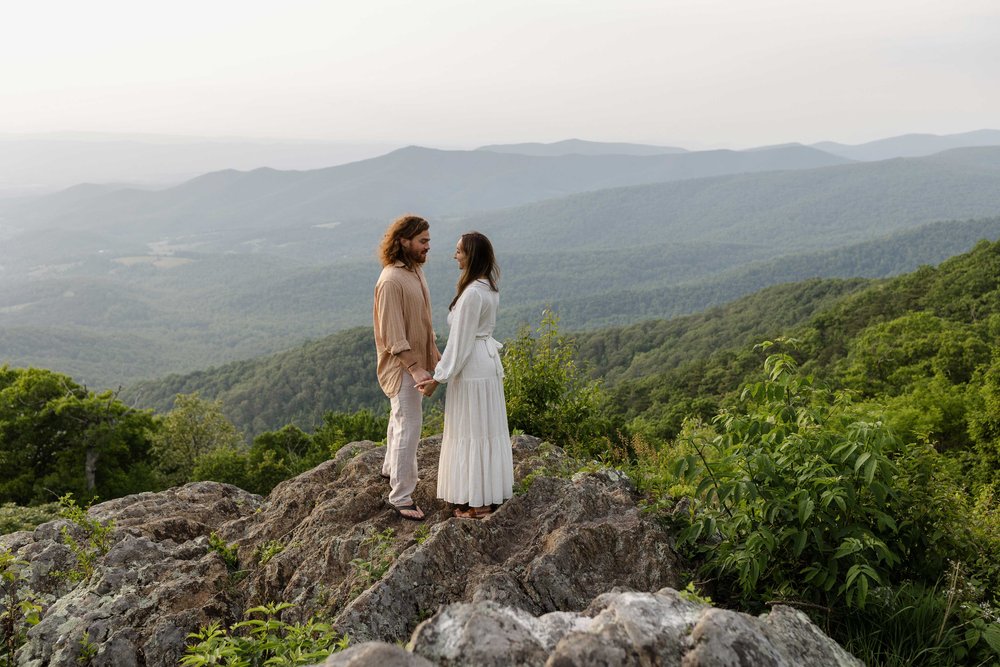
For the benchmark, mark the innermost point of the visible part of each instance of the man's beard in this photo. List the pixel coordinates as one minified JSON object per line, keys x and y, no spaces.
{"x":415,"y":256}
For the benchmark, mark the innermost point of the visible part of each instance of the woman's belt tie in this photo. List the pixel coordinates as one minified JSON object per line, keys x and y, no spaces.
{"x":493,"y":347}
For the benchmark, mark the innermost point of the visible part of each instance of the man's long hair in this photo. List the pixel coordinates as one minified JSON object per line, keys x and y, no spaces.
{"x":404,"y":227}
{"x":479,"y":263}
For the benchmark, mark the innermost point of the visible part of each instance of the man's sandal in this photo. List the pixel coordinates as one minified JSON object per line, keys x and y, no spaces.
{"x":412,"y":507}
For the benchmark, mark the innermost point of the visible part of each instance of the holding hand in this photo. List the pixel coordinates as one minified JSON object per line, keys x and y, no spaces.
{"x":427,"y":387}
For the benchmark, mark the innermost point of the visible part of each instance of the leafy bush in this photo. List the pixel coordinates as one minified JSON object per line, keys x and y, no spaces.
{"x":226,"y":464}
{"x":796,"y":493}
{"x":804,"y":497}
{"x":915,"y":624}
{"x":94,"y":543}
{"x":256,"y":642}
{"x":340,"y":428}
{"x":548,"y":393}
{"x":19,"y":610}
{"x":15,"y":517}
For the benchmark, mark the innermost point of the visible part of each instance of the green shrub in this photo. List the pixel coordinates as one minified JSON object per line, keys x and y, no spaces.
{"x":379,"y":557}
{"x":14,"y":517}
{"x":268,"y":550}
{"x":256,"y":642}
{"x":915,"y":624}
{"x":96,"y":540}
{"x":548,"y":393}
{"x":228,"y":552}
{"x":340,"y":428}
{"x":796,"y":494}
{"x":226,"y":464}
{"x":19,"y":610}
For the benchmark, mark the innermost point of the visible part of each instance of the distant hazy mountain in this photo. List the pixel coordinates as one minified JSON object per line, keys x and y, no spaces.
{"x":32,"y":164}
{"x":581,"y":147}
{"x":910,"y":145}
{"x":36,"y":164}
{"x":118,"y":304}
{"x":430,"y":182}
{"x":802,"y":210}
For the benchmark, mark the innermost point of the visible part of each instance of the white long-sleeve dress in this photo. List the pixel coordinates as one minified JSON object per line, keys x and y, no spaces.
{"x":476,"y":465}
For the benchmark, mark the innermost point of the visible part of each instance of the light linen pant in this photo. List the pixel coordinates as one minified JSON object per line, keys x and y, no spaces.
{"x":405,"y":422}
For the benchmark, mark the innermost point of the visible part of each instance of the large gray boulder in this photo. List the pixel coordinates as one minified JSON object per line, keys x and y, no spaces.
{"x":625,"y":628}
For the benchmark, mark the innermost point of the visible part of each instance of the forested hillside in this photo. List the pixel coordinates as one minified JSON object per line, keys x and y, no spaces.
{"x":336,"y":372}
{"x":922,"y":336}
{"x":294,"y":387}
{"x":95,"y":306}
{"x":727,"y":277}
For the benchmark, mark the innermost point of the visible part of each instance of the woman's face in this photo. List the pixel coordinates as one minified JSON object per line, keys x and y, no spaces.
{"x":460,"y":255}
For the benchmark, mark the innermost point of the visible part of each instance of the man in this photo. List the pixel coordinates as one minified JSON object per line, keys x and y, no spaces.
{"x":407,"y":353}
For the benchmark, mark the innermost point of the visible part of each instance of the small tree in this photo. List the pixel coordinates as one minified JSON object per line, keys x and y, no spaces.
{"x":192,"y":429}
{"x":56,"y":436}
{"x":340,"y":428}
{"x":548,"y":393}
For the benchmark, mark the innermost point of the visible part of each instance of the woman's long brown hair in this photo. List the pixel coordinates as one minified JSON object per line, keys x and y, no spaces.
{"x":479,"y":263}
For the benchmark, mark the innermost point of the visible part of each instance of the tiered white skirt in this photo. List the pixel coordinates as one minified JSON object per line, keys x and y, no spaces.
{"x":476,"y":465}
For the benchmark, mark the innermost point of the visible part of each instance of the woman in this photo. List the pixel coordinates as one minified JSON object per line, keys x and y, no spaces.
{"x":476,"y":469}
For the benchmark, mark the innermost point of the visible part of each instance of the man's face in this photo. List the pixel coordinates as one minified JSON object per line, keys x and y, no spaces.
{"x":417,"y":247}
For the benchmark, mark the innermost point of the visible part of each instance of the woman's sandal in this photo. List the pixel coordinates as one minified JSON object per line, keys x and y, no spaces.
{"x":473,"y":512}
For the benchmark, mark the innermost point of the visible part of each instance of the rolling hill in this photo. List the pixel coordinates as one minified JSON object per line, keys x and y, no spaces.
{"x":337,"y":372}
{"x":603,"y":257}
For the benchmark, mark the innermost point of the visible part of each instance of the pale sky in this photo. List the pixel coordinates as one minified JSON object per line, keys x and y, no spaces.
{"x":462,"y":73}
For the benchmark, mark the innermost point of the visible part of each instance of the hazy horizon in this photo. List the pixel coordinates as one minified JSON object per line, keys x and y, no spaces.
{"x":447,"y":74}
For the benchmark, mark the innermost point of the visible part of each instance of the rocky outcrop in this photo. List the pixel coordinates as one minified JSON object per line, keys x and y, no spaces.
{"x":323,"y":541}
{"x":621,"y":629}
{"x":156,"y":583}
{"x":543,"y":564}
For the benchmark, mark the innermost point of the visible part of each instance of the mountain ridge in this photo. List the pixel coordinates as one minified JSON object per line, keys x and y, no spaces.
{"x":581,"y":147}
{"x":431,"y":181}
{"x":910,"y":145}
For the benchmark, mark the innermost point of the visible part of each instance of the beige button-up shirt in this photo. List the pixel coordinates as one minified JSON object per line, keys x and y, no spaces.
{"x":402,"y":317}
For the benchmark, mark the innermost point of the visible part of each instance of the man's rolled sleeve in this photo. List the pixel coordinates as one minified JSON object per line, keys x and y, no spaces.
{"x":389,"y":298}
